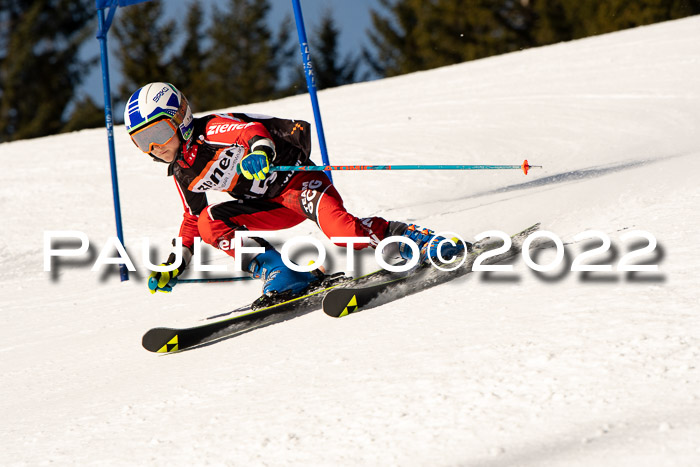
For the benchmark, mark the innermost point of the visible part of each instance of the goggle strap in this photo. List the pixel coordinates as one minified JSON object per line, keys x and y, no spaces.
{"x":179,"y":116}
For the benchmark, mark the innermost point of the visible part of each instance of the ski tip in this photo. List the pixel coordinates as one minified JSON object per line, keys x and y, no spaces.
{"x":531,"y":229}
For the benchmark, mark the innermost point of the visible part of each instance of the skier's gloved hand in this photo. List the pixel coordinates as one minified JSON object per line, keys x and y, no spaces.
{"x":255,"y":166}
{"x":165,"y":281}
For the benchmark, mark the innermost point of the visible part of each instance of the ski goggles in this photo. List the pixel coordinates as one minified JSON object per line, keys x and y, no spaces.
{"x":155,"y":134}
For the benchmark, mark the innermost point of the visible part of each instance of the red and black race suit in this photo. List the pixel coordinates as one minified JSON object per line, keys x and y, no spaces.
{"x":218,"y":144}
{"x":282,"y":200}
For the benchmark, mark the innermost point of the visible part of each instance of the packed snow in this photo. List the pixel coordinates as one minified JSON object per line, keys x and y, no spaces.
{"x":528,"y":368}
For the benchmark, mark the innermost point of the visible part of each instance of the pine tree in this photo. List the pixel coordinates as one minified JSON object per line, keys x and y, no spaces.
{"x":517,"y":17}
{"x":331,"y":70}
{"x":288,"y":58}
{"x":562,"y":20}
{"x":144,"y":42}
{"x":245,"y":61}
{"x":412,"y":35}
{"x":40,"y":68}
{"x":418,"y":34}
{"x":681,"y":8}
{"x":393,"y":39}
{"x":190,"y":59}
{"x":85,"y":114}
{"x":553,"y":22}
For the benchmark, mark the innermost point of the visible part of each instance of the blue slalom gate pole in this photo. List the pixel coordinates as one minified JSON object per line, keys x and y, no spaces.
{"x":310,"y":81}
{"x":103,"y":27}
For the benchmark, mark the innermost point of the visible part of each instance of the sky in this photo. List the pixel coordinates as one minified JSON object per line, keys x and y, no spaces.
{"x":352,"y":19}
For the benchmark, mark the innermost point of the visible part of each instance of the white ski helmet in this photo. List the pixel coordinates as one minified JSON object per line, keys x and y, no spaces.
{"x":151,"y":104}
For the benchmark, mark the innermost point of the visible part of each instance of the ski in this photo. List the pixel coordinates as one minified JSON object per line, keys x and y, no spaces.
{"x":367,"y":288}
{"x":343,"y":301}
{"x":168,"y":340}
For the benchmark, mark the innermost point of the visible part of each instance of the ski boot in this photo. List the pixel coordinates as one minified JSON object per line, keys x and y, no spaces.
{"x":280,"y":283}
{"x":427,"y":242}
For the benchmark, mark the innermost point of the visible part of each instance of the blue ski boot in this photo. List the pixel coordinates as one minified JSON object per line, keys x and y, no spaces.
{"x":278,"y":278}
{"x":427,"y":243}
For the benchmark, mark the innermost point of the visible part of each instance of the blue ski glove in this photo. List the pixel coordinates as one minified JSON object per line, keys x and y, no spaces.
{"x":165,"y":281}
{"x":255,"y":166}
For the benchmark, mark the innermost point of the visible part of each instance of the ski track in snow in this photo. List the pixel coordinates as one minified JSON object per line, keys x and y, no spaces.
{"x":551,"y":369}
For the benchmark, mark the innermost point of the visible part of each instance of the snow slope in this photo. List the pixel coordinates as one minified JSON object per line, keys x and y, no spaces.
{"x":521,"y":368}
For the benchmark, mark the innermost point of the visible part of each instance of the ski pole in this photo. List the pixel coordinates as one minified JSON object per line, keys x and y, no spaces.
{"x":525,"y":167}
{"x":215,"y":279}
{"x":153,"y":282}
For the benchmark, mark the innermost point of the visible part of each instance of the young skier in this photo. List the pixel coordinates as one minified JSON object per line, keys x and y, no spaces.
{"x":233,"y":153}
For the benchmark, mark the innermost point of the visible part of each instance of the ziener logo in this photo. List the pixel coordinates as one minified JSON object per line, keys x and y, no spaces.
{"x":220,"y":172}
